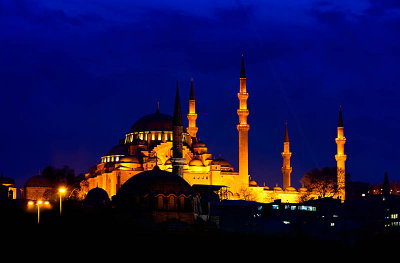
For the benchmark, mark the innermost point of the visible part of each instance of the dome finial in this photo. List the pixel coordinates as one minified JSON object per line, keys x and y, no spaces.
{"x":158,"y":107}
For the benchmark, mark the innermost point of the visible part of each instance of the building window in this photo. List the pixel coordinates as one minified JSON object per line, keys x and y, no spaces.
{"x":275,"y":207}
{"x":160,"y":202}
{"x":182,"y":202}
{"x":171,"y":203}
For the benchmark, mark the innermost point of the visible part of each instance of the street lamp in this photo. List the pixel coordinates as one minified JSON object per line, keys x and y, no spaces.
{"x":61,"y":191}
{"x":39,"y":203}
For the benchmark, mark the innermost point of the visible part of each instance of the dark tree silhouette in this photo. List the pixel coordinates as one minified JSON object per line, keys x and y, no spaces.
{"x":322,"y":182}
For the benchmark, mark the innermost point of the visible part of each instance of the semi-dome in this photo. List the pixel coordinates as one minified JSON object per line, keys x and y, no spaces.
{"x":222,"y":162}
{"x":129,"y":159}
{"x":153,"y":122}
{"x":198,"y":144}
{"x":120,"y":149}
{"x":153,"y":182}
{"x":195,"y":162}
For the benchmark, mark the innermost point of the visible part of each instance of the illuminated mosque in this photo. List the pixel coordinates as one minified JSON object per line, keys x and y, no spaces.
{"x":151,"y":144}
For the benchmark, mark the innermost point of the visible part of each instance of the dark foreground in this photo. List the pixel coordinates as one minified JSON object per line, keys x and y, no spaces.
{"x":105,"y":233}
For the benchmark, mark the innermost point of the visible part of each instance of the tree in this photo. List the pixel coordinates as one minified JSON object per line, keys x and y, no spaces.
{"x":321,"y":182}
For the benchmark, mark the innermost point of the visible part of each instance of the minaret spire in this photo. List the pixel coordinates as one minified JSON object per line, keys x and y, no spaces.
{"x":192,"y":116}
{"x":177,"y":118}
{"x":242,"y":71}
{"x":177,"y":148}
{"x":341,"y":157}
{"x":340,"y":122}
{"x":243,"y":127}
{"x":286,"y":154}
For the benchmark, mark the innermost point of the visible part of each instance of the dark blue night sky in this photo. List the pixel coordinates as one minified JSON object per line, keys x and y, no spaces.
{"x":75,"y":76}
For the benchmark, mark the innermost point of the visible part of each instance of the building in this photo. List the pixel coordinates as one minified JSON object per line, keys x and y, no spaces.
{"x":38,"y":187}
{"x":150,"y":143}
{"x":7,"y":188}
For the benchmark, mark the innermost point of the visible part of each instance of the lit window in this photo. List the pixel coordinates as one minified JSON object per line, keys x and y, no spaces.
{"x":394,"y":216}
{"x":293,"y":207}
{"x":275,"y":206}
{"x":332,"y":224}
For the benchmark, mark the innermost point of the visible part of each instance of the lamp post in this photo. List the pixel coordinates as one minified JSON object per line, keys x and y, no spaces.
{"x":61,"y":191}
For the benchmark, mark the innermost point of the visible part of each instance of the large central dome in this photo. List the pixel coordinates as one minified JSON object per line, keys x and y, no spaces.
{"x":153,"y":122}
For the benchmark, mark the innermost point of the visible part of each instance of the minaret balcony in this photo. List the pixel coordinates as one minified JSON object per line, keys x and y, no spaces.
{"x":243,"y":96}
{"x":243,"y":112}
{"x":243,"y":127}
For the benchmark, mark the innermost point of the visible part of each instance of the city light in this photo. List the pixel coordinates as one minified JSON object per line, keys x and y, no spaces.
{"x":61,"y":191}
{"x":39,"y":203}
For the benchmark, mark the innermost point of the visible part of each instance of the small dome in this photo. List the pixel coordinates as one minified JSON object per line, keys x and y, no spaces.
{"x":277,"y":188}
{"x":253,"y":183}
{"x":97,"y":197}
{"x":290,"y":189}
{"x":118,"y":150}
{"x":303,"y":189}
{"x":153,"y":182}
{"x":195,"y":162}
{"x":38,"y":181}
{"x":6,"y":180}
{"x":129,"y":159}
{"x":222,"y":162}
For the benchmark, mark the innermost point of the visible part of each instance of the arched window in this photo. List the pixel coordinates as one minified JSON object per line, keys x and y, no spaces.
{"x":171,"y":202}
{"x":160,"y":202}
{"x":182,"y":203}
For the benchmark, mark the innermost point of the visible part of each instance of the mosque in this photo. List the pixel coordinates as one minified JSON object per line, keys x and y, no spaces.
{"x":154,"y":142}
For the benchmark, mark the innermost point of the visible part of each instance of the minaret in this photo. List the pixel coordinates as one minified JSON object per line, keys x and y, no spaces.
{"x":286,"y":169}
{"x":340,"y":157}
{"x":177,"y":149}
{"x":243,"y":128}
{"x":192,"y":116}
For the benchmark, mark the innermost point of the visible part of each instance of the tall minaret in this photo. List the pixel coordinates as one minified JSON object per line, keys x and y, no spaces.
{"x":192,"y":116}
{"x":340,"y":157}
{"x":243,"y":128}
{"x":286,"y":169}
{"x":177,"y":149}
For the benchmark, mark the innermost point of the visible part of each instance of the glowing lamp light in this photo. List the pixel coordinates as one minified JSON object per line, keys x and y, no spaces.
{"x":30,"y":203}
{"x":62,"y":191}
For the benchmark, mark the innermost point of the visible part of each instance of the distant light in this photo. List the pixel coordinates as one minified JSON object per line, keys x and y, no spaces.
{"x":39,"y":202}
{"x":286,"y":222}
{"x":363,"y":195}
{"x":46,"y":203}
{"x":62,"y":190}
{"x":30,"y":203}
